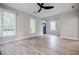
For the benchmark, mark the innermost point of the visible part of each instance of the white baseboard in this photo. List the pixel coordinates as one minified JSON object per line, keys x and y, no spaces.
{"x":16,"y":39}
{"x":71,"y":38}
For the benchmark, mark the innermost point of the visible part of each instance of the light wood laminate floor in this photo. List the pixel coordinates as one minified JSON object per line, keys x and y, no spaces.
{"x":41,"y":45}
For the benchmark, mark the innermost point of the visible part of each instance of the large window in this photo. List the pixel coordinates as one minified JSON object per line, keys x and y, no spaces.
{"x":0,"y":25}
{"x":32,"y":26}
{"x":8,"y":23}
{"x":53,"y":25}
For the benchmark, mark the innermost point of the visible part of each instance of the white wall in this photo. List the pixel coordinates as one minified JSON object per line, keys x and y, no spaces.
{"x":23,"y":26}
{"x":78,"y":24}
{"x":48,"y":20}
{"x":67,"y":25}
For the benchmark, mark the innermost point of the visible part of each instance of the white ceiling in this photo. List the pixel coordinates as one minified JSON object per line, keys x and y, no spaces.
{"x":32,"y":8}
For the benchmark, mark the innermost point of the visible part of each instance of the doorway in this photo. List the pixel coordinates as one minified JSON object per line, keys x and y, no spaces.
{"x":44,"y":28}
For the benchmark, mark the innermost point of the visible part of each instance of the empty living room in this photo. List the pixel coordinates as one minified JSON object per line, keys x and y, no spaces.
{"x":39,"y":28}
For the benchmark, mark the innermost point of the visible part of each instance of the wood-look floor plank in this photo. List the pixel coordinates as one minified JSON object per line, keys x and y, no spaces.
{"x":41,"y":45}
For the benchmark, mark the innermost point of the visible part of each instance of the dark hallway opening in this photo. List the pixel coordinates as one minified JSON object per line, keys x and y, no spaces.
{"x":44,"y":28}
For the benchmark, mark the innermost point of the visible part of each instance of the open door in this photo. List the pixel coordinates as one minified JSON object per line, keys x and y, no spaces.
{"x":44,"y":28}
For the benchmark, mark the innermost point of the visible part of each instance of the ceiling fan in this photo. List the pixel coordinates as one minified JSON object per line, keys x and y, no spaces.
{"x":41,"y":5}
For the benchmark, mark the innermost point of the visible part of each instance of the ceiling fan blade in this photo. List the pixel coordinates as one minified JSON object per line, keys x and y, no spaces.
{"x":39,"y":4}
{"x":48,"y":7}
{"x":39,"y":10}
{"x":42,"y":4}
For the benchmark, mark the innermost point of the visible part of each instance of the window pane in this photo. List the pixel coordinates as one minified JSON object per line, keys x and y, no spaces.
{"x":52,"y":25}
{"x":8,"y":24}
{"x":32,"y":25}
{"x":0,"y":25}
